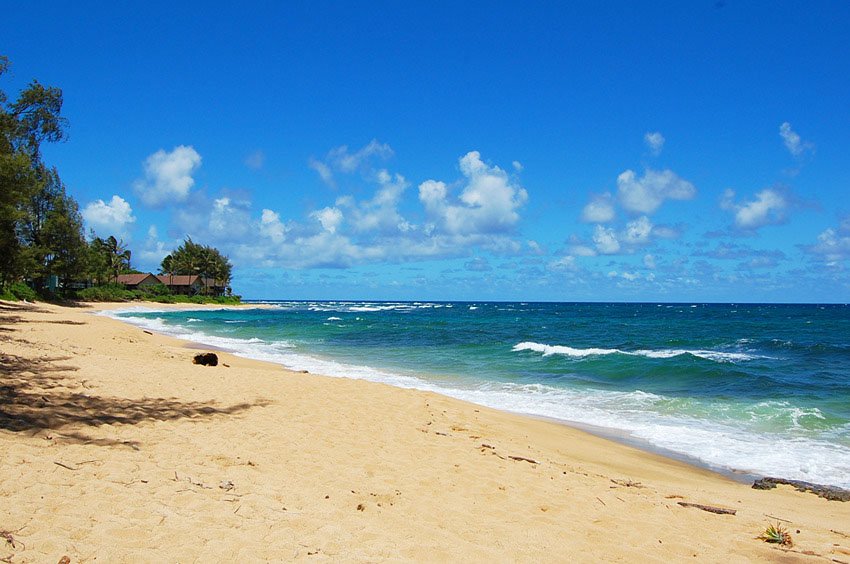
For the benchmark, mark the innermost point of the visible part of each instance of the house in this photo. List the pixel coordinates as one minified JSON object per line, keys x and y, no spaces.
{"x":186,"y":284}
{"x":137,"y":281}
{"x":191,"y":284}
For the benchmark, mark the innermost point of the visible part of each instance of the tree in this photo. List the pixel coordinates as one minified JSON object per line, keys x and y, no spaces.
{"x":192,"y":258}
{"x":30,"y":193}
{"x":109,"y":258}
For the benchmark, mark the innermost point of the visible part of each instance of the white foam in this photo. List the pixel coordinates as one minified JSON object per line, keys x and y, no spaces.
{"x":717,"y":356}
{"x":332,"y":318}
{"x":549,"y":350}
{"x":728,"y":444}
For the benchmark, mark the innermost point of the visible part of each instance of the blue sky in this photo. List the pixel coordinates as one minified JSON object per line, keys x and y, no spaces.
{"x":660,"y":151}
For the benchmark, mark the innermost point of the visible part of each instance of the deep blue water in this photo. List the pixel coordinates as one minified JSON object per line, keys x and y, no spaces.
{"x":762,"y":389}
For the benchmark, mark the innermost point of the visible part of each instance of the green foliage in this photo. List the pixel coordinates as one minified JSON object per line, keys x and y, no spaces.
{"x":158,"y":293}
{"x":192,"y":258}
{"x":18,"y":291}
{"x":106,"y":293}
{"x":40,"y":226}
{"x":108,"y":258}
{"x":776,"y":534}
{"x":156,"y":290}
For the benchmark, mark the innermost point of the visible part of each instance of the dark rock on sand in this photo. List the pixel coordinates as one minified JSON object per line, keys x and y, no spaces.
{"x":206,"y":359}
{"x":827,"y":492}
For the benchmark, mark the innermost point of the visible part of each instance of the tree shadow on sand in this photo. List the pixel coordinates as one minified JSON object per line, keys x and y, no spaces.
{"x":39,"y":393}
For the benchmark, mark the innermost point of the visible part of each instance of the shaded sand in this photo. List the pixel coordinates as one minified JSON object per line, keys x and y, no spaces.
{"x":115,"y":447}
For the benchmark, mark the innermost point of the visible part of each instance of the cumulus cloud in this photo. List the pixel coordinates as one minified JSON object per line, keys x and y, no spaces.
{"x":637,"y":232}
{"x":477,"y":214}
{"x":833,"y":245}
{"x":767,"y":208}
{"x":111,"y":218}
{"x":599,"y":210}
{"x":330,"y":218}
{"x":646,"y":194}
{"x":272,"y":227}
{"x":168,"y":176}
{"x":795,"y":145}
{"x":488,"y":203}
{"x":381,"y":212}
{"x":655,"y":141}
{"x":606,"y":240}
{"x":649,"y":261}
{"x":342,"y":159}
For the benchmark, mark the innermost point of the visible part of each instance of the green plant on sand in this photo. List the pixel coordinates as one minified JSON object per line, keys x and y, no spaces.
{"x":776,"y":534}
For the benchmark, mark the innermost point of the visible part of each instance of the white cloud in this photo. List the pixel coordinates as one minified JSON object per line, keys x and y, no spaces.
{"x":655,"y":141}
{"x":646,"y":194}
{"x":341,"y":159}
{"x":381,"y":212}
{"x":153,"y":250}
{"x":346,"y":161}
{"x":272,"y":227}
{"x":638,"y":231}
{"x":792,"y":140}
{"x":487,"y":204}
{"x":111,"y":218}
{"x":168,"y":176}
{"x":833,"y":244}
{"x":535,"y":248}
{"x":563,"y":263}
{"x":582,"y":251}
{"x":517,"y":166}
{"x":599,"y":210}
{"x":606,"y":240}
{"x":476,"y":214}
{"x":649,"y":261}
{"x":330,"y":218}
{"x":768,"y":207}
{"x":324,"y":171}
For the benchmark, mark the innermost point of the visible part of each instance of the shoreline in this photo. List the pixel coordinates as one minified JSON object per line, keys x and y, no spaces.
{"x":175,"y":461}
{"x":619,"y":435}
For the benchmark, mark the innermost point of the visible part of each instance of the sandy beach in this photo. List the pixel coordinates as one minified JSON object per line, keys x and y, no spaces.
{"x":115,"y":447}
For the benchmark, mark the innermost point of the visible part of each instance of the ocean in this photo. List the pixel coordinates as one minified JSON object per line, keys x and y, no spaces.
{"x":747,"y":389}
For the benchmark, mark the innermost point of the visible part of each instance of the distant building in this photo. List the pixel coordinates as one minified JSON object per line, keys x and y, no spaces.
{"x":186,"y":284}
{"x":137,"y":281}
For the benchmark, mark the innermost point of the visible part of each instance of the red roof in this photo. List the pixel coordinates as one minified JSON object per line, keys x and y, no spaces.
{"x":133,"y":279}
{"x":178,"y":279}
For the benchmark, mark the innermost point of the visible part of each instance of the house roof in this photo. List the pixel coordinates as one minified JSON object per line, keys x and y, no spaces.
{"x":178,"y":279}
{"x":134,"y":279}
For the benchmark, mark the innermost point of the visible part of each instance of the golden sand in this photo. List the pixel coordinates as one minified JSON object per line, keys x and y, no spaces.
{"x":115,"y":447}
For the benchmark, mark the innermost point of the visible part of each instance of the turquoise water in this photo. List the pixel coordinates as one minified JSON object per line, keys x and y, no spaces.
{"x":762,"y":389}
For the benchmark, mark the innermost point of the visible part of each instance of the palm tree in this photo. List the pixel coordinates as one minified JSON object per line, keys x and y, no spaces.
{"x":118,"y":256}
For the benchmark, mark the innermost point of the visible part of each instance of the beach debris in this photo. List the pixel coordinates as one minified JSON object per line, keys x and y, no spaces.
{"x":776,"y":534}
{"x":146,"y":331}
{"x":361,"y":507}
{"x":628,"y":483}
{"x":206,"y":359}
{"x":827,"y":492}
{"x":523,"y":459}
{"x":226,"y":485}
{"x":64,"y":560}
{"x":709,"y":508}
{"x":7,"y":536}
